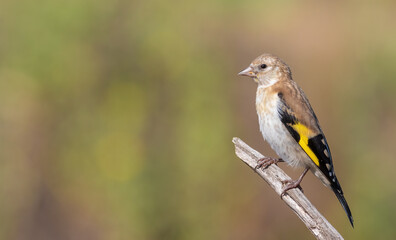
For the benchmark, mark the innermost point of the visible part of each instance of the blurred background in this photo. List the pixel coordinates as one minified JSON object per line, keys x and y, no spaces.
{"x":116,"y":117}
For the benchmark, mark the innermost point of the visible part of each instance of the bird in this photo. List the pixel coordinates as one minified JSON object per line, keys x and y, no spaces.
{"x":290,"y":126}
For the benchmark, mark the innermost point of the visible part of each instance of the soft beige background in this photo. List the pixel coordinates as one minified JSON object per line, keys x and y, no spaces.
{"x":116,"y":117}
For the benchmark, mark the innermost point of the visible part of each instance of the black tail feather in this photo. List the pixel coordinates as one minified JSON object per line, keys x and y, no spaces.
{"x":344,"y":204}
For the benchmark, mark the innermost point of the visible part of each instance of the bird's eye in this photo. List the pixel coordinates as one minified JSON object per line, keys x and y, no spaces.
{"x":263,"y":66}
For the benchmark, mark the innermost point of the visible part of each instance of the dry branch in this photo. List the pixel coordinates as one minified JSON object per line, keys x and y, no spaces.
{"x":294,"y":198}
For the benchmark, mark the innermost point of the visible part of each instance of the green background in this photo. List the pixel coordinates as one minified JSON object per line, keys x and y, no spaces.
{"x":116,"y":117}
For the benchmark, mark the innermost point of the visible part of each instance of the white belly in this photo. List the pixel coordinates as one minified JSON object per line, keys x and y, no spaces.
{"x":276,"y":134}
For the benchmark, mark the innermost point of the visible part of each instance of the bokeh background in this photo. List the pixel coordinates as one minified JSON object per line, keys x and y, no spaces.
{"x":116,"y":117}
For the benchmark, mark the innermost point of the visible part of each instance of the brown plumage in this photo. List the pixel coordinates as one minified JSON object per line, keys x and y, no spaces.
{"x":296,"y":99}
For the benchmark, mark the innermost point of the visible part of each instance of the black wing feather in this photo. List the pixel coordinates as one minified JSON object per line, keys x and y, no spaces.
{"x":318,"y":145}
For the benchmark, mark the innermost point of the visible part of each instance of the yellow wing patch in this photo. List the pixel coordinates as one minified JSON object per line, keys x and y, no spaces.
{"x":304,"y":133}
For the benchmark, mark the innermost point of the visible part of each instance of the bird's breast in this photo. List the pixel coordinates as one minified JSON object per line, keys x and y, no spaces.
{"x":273,"y":130}
{"x":267,"y":110}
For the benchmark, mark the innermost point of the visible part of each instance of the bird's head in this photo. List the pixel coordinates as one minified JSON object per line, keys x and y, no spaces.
{"x":267,"y":69}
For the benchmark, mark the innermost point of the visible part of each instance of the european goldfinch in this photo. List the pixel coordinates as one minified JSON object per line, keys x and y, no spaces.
{"x":289,"y":124}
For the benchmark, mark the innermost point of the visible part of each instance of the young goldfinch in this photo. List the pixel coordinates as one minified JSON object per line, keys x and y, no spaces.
{"x":288,"y":123}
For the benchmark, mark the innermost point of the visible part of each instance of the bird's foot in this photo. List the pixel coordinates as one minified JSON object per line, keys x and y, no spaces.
{"x":266,"y":161}
{"x":290,"y":184}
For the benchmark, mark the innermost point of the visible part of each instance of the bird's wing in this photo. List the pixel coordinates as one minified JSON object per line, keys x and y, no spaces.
{"x":297,"y":115}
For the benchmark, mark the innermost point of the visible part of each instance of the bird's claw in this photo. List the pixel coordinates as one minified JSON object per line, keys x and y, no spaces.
{"x":290,"y":184}
{"x":266,"y":161}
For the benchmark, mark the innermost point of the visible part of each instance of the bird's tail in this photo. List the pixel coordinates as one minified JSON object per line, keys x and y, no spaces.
{"x":341,"y":198}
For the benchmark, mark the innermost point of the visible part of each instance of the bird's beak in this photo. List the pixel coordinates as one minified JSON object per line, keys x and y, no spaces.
{"x":247,"y":72}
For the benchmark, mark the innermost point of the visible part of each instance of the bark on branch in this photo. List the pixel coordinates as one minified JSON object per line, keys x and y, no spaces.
{"x":294,"y":198}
